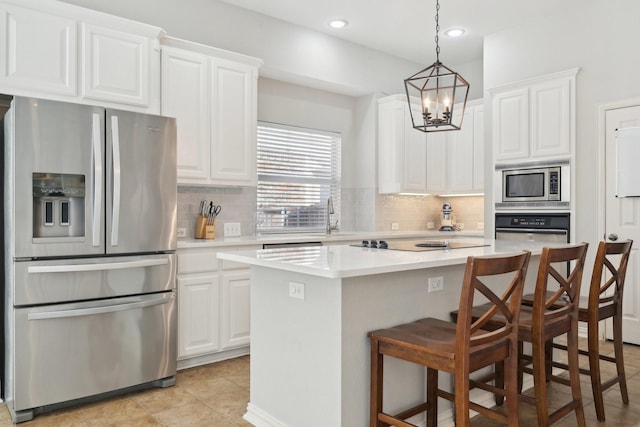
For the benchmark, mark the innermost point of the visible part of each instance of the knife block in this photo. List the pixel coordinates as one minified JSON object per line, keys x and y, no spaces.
{"x":204,"y":230}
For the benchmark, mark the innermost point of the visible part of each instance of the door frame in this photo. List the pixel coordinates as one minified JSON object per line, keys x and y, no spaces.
{"x":600,"y":178}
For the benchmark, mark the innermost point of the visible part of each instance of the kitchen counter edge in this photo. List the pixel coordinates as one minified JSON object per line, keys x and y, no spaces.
{"x":336,"y":237}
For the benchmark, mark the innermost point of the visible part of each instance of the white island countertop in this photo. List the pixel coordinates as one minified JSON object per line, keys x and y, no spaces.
{"x":343,"y":261}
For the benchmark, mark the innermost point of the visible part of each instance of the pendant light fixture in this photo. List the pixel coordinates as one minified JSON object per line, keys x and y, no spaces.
{"x":437,"y":95}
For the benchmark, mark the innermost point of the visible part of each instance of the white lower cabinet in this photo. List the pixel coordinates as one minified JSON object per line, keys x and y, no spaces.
{"x":213,"y":306}
{"x":198,"y":315}
{"x":235,"y":310}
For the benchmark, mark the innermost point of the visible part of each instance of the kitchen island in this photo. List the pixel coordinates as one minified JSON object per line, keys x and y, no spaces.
{"x":311,"y":309}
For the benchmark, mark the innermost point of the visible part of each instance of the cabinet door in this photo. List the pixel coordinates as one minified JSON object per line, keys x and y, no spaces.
{"x":185,"y":96}
{"x":116,"y":66}
{"x":233,"y":122}
{"x":478,"y":149}
{"x":550,"y":118}
{"x":511,"y":125}
{"x":235,"y":308}
{"x":436,"y":162}
{"x":415,"y":156}
{"x":460,"y":156}
{"x":198,"y":315}
{"x":38,"y":52}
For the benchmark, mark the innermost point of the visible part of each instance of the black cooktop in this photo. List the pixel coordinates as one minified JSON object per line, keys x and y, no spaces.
{"x":420,"y":245}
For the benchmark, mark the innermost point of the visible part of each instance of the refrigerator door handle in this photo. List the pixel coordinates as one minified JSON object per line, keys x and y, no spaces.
{"x":98,"y":173}
{"x":73,"y":268}
{"x":115,"y":217}
{"x":57,"y":314}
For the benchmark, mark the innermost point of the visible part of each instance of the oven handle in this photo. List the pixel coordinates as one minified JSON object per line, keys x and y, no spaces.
{"x":74,"y":268}
{"x":97,"y":310}
{"x":532,"y":230}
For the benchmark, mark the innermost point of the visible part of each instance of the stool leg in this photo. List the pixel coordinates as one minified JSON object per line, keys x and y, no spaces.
{"x":540,"y":382}
{"x":574,"y":372}
{"x":498,"y":370}
{"x":617,"y":344}
{"x":510,"y":367}
{"x":376,"y":385}
{"x":594,"y":366}
{"x":432,"y":397}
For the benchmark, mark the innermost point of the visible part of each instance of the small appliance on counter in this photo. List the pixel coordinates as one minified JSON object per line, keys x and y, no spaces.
{"x":447,"y":221}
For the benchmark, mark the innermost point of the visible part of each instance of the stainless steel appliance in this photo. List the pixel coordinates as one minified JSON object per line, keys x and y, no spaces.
{"x":447,"y":221}
{"x":534,"y":186}
{"x":90,"y":239}
{"x":421,"y":245}
{"x":537,"y":227}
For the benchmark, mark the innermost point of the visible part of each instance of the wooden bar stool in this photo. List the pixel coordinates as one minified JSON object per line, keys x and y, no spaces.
{"x":604,"y":301}
{"x":552,"y":313}
{"x":458,"y":348}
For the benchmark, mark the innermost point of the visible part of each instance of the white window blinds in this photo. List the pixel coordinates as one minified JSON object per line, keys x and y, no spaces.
{"x":298,"y":170}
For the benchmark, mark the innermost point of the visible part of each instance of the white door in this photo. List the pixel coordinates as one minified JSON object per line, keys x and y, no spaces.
{"x":622,"y":219}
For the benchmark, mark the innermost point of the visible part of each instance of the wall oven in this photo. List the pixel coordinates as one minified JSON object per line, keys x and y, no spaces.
{"x":535,"y":227}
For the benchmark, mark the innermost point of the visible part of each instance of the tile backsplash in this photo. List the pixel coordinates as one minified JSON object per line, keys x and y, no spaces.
{"x":238,"y":205}
{"x":361,"y":209}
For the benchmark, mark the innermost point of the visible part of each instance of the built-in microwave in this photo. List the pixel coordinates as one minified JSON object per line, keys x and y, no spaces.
{"x":532,"y":184}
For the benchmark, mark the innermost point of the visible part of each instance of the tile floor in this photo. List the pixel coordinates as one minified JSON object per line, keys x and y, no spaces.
{"x":216,"y":395}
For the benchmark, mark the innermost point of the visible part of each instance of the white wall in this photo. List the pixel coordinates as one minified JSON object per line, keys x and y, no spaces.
{"x":601,"y":39}
{"x":290,"y":52}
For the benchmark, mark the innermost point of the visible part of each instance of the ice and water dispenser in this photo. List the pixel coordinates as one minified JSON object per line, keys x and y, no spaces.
{"x":58,"y":205}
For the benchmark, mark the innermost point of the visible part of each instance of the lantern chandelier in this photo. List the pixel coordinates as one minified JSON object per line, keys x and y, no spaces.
{"x":437,"y":95}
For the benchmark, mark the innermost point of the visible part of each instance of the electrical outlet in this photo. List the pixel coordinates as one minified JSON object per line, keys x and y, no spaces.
{"x":296,"y":290}
{"x":430,"y":225}
{"x":181,"y":232}
{"x":395,"y":226}
{"x":436,"y":284}
{"x":231,"y":229}
{"x":480,"y":226}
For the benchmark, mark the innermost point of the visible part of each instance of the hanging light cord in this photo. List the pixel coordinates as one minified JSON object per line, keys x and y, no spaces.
{"x":437,"y":31}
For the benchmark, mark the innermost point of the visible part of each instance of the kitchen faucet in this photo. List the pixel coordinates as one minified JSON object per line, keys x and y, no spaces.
{"x":329,"y":212}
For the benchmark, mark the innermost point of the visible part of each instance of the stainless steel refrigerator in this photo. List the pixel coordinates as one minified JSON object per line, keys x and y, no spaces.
{"x":90,"y":239}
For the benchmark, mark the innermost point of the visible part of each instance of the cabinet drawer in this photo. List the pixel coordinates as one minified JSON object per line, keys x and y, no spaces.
{"x":197,"y":261}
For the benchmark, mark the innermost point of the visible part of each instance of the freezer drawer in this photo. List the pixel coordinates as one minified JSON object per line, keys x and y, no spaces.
{"x":53,"y":281}
{"x":69,"y":351}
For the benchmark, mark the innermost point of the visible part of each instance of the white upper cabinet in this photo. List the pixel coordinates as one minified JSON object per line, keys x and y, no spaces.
{"x":402,"y":150}
{"x":511,"y":124}
{"x":185,"y":96}
{"x":234,"y":105}
{"x":535,"y":120}
{"x":38,"y":52}
{"x":59,"y":51}
{"x":117,"y":65}
{"x":465,"y":153}
{"x":410,"y":161}
{"x":213,"y":95}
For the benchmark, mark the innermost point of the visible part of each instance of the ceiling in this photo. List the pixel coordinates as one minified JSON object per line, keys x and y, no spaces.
{"x":406,"y":28}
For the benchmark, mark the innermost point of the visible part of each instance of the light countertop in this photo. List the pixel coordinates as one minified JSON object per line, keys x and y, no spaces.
{"x":340,"y":261}
{"x":335,"y":237}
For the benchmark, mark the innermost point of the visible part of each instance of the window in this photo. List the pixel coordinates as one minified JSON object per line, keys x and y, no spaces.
{"x":298,"y":170}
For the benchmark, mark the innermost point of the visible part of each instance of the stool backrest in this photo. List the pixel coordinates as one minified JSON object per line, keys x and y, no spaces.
{"x":609,"y":291}
{"x":507,"y":305}
{"x":560,"y":305}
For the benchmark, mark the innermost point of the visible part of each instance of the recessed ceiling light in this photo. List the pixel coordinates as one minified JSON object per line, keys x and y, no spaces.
{"x":338,"y":23}
{"x":454,"y":32}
